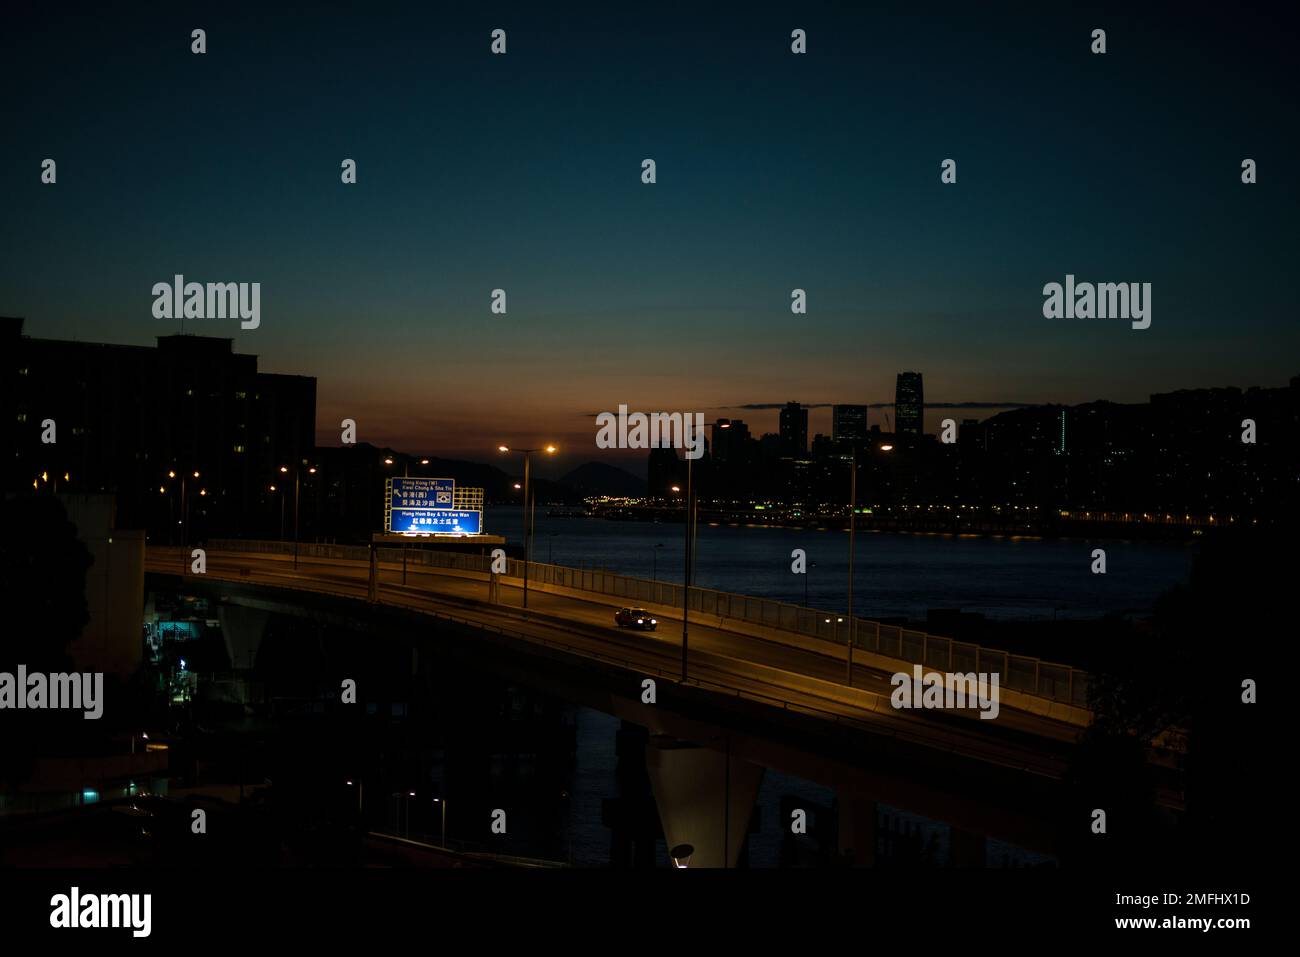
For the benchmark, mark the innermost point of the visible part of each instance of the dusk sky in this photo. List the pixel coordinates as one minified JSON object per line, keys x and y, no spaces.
{"x":775,"y":171}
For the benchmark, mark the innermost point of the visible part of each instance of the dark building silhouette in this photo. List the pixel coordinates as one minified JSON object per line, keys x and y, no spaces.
{"x":663,"y":471}
{"x":126,"y":416}
{"x":794,"y":430}
{"x":729,"y":439}
{"x":849,"y":423}
{"x":909,"y":404}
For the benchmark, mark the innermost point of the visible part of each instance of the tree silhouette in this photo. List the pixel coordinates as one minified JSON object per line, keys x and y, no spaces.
{"x":43,"y":576}
{"x":1185,"y":672}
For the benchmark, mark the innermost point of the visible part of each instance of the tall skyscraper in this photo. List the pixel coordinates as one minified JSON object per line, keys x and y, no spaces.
{"x":794,"y":430}
{"x":909,"y":404}
{"x":848,"y":423}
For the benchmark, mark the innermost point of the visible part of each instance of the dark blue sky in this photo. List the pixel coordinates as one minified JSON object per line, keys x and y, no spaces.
{"x":775,"y":171}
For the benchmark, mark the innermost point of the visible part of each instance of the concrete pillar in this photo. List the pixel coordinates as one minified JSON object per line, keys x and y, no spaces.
{"x":242,"y":628}
{"x":857,"y":830}
{"x":705,"y":798}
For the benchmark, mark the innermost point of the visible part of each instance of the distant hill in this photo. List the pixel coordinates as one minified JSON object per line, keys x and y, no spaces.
{"x":597,"y":478}
{"x":495,"y":483}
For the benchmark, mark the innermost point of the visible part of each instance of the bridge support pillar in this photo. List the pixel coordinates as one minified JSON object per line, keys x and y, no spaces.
{"x":857,"y":830}
{"x":242,"y":628}
{"x":705,"y":798}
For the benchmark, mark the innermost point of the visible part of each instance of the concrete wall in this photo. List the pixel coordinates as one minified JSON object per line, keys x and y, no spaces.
{"x":112,"y":640}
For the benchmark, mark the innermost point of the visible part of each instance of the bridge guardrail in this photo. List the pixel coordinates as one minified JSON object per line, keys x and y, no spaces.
{"x":1026,"y":674}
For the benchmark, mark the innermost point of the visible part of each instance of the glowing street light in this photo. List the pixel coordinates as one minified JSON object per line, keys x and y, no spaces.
{"x":297,"y":488}
{"x":185,"y":515}
{"x":528,"y":507}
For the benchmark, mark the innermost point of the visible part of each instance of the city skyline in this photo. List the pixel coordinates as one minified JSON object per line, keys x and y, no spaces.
{"x":760,"y":419}
{"x":775,"y":173}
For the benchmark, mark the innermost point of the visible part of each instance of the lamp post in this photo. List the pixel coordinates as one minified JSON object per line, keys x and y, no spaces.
{"x":443,"y":803}
{"x":273,"y":488}
{"x":686,"y":577}
{"x":528,"y":514}
{"x":185,"y":515}
{"x":297,"y":487}
{"x":853,"y":510}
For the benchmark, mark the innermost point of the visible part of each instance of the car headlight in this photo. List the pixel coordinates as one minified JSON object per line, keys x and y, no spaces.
{"x":640,"y":621}
{"x":653,"y":622}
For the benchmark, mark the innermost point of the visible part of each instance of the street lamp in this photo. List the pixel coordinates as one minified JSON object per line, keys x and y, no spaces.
{"x":686,"y":576}
{"x":528,"y":511}
{"x":443,"y":803}
{"x":185,"y":516}
{"x":853,"y":512}
{"x":273,"y":489}
{"x":297,"y":487}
